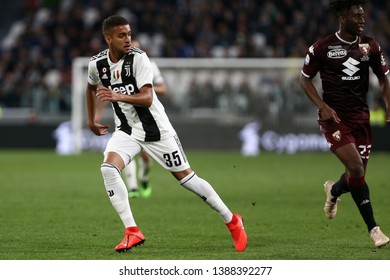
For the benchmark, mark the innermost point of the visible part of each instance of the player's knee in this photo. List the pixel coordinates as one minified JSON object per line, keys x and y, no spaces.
{"x":356,"y":169}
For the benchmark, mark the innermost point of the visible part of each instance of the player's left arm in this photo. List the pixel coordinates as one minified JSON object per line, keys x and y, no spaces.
{"x":381,"y":70}
{"x":385,"y":90}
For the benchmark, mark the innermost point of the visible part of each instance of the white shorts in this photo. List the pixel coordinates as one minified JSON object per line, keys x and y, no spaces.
{"x":168,"y":152}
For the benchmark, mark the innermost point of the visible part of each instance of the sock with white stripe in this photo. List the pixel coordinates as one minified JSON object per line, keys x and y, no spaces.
{"x":204,"y":190}
{"x":117,"y":192}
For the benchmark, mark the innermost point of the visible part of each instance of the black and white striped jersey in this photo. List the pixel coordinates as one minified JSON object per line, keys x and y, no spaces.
{"x":127,"y":76}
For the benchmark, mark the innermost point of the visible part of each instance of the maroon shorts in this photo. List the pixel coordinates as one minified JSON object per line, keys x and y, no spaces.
{"x":340,"y":134}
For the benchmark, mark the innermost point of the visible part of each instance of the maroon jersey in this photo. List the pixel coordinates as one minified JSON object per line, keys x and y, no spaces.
{"x":344,"y":71}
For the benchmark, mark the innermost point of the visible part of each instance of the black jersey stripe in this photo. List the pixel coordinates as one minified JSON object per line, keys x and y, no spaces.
{"x":104,"y":71}
{"x":124,"y":126}
{"x":152,"y":133}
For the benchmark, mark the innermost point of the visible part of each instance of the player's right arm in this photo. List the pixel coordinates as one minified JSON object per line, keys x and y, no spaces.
{"x":327,"y":113}
{"x":92,"y":85}
{"x":309,"y":71}
{"x":93,"y":125}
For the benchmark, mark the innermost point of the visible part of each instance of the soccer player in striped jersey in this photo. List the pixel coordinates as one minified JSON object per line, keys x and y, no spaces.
{"x":123,"y":75}
{"x":344,"y":59}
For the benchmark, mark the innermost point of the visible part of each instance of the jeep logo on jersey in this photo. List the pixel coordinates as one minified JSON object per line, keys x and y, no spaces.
{"x":337,"y":53}
{"x":123,"y":89}
{"x":351,"y":68}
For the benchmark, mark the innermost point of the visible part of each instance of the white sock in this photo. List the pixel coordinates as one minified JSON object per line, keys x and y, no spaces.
{"x":117,"y":192}
{"x":143,"y":169}
{"x":130,"y":175}
{"x":203,"y":189}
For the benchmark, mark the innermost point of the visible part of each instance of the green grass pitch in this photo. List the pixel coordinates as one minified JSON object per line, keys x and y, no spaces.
{"x":55,"y":208}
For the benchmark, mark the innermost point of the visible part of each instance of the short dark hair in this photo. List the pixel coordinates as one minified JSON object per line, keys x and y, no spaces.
{"x":113,"y":21}
{"x":341,"y":7}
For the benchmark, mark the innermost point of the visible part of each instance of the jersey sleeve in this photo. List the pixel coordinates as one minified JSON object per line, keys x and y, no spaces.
{"x":311,"y":64}
{"x":93,"y":75}
{"x":143,"y":71}
{"x":377,"y":61}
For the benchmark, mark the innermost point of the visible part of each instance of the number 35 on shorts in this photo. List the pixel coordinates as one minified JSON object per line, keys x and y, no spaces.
{"x":173,"y":159}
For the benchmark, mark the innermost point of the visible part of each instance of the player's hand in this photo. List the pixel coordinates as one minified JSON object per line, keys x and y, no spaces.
{"x":106,"y":94}
{"x":388,"y":115}
{"x":328,"y":114}
{"x":98,"y":129}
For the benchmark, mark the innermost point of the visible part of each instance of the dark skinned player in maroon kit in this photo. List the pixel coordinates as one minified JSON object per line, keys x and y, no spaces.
{"x":343,"y":60}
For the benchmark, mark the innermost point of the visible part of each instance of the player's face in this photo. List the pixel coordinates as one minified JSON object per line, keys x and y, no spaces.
{"x":354,"y":21}
{"x":119,"y":39}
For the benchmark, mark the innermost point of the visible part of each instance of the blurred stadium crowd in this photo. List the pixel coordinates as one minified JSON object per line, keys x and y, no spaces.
{"x":41,"y":38}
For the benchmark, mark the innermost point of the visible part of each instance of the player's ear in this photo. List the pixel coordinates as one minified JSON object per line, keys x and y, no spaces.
{"x":107,"y":39}
{"x":342,"y":19}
